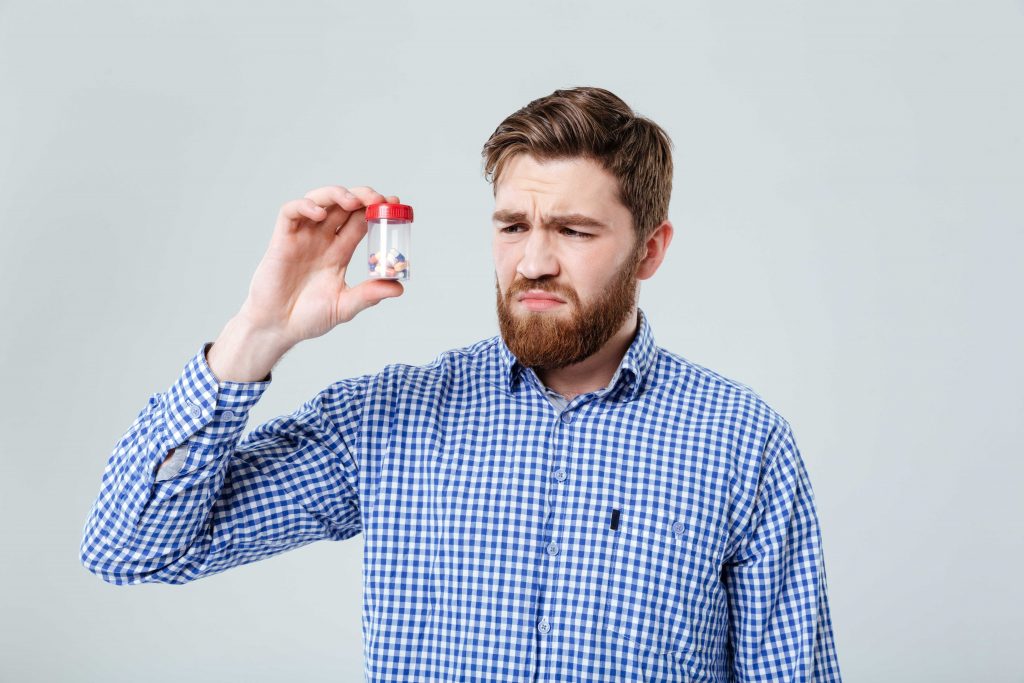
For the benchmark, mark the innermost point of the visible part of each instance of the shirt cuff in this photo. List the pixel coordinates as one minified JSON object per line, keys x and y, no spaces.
{"x":208,"y":413}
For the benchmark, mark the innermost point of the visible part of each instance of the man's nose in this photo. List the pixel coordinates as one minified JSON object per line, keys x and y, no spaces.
{"x":539,"y":259}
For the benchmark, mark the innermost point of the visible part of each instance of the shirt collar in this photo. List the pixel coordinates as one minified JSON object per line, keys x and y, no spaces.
{"x":628,"y":379}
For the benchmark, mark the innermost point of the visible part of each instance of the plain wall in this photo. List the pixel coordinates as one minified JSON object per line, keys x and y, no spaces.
{"x":849,"y":236}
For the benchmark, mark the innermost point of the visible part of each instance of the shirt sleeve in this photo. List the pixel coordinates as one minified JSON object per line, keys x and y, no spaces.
{"x":291,"y":481}
{"x":780,"y":625}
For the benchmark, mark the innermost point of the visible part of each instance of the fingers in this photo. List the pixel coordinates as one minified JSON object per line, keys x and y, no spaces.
{"x":368,"y":195}
{"x":297,"y":209}
{"x":349,"y":199}
{"x":335,"y":194}
{"x":335,"y":202}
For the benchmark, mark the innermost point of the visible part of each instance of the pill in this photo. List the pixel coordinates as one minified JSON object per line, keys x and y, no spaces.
{"x":391,"y":264}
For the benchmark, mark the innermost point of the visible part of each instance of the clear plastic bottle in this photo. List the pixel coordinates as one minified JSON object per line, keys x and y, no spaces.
{"x":388,"y":239}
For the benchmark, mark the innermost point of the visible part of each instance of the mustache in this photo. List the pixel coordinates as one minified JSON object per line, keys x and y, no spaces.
{"x":544,"y":285}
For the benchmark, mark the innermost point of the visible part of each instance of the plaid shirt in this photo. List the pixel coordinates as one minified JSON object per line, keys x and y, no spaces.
{"x":662,"y":528}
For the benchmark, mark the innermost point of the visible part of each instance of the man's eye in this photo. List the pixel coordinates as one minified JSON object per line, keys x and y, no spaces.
{"x":576,"y":233}
{"x":511,"y":228}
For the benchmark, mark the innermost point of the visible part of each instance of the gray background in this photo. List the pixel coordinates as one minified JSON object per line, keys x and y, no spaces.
{"x":848,"y":243}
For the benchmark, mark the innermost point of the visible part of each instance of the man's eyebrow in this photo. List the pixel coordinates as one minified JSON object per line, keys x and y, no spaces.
{"x":565,"y":219}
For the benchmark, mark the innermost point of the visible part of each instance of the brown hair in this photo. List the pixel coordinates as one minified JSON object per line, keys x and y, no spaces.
{"x":596,"y":124}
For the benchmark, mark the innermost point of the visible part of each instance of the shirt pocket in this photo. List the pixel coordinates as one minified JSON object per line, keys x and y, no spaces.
{"x":661,"y":582}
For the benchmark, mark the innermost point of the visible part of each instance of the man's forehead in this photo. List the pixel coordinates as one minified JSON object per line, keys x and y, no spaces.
{"x":558,"y":180}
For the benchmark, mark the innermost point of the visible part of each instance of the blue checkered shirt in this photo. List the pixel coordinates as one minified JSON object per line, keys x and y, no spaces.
{"x":662,"y":528}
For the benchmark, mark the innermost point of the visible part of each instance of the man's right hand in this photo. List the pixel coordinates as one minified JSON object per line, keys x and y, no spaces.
{"x":298,"y":291}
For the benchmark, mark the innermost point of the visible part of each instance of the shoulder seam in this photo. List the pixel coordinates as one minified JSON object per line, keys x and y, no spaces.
{"x":718,"y":378}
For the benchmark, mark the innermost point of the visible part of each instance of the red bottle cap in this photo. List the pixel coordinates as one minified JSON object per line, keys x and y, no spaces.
{"x":392,"y":212}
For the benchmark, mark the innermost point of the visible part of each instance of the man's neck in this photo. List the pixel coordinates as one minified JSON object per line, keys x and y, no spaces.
{"x":595,"y":372}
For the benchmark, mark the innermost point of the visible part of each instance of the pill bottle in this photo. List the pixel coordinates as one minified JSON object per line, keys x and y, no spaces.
{"x":388,"y":238}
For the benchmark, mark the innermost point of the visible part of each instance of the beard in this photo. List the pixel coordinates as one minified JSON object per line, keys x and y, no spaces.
{"x":544,"y":340}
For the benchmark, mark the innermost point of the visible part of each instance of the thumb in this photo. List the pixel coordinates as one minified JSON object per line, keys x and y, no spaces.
{"x":371,"y":292}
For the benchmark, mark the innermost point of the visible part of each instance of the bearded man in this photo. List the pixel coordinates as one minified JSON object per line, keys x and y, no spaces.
{"x":563,"y":501}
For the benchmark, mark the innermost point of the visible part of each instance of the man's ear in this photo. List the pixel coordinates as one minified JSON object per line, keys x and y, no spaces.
{"x":656,"y":245}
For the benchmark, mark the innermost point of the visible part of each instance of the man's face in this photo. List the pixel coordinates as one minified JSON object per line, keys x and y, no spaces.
{"x":565,"y":259}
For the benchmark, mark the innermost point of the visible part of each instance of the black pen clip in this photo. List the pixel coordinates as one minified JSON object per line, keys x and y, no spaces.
{"x":615,"y":519}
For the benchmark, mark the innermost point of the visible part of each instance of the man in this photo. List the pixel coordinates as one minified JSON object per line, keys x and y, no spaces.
{"x":565,"y":501}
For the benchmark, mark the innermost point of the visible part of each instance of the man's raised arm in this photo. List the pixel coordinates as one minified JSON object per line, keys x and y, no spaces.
{"x":238,"y":500}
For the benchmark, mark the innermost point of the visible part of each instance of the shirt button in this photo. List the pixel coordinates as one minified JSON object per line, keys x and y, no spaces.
{"x":194,"y":410}
{"x":230,"y":415}
{"x":544,"y":626}
{"x":678,"y":528}
{"x":552,"y":548}
{"x":567,"y":417}
{"x":560,"y":474}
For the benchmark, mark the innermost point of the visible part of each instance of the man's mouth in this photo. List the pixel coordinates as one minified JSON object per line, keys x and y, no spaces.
{"x":540,"y":295}
{"x":537,"y":300}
